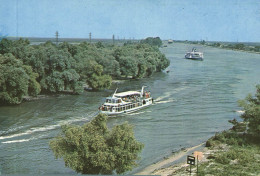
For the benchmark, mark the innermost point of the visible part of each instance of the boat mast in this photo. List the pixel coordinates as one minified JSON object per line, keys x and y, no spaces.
{"x":142,"y":92}
{"x":114,"y":93}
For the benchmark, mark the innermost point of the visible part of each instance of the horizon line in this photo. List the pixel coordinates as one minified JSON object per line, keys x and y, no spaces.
{"x":77,"y":38}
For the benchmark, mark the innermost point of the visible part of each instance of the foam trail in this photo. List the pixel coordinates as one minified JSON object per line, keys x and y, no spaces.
{"x":179,"y":89}
{"x":23,"y":140}
{"x":162,"y":102}
{"x":166,"y":95}
{"x":47,"y":128}
{"x":240,"y":112}
{"x":30,"y":131}
{"x":16,"y":141}
{"x":169,"y":94}
{"x":131,"y":114}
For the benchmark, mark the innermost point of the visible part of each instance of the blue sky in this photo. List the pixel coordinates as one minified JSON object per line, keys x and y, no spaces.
{"x":211,"y":20}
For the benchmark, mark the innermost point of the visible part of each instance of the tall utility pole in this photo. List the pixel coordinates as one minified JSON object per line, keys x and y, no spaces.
{"x":17,"y":20}
{"x":113,"y":39}
{"x":57,"y":37}
{"x":90,"y":37}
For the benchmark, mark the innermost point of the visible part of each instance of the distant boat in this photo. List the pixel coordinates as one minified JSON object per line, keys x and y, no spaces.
{"x":170,"y":41}
{"x":194,"y":54}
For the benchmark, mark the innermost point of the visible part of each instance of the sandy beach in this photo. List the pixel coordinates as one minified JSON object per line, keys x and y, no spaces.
{"x":172,"y":163}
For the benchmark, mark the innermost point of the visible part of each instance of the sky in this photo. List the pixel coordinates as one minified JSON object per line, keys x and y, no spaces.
{"x":209,"y":20}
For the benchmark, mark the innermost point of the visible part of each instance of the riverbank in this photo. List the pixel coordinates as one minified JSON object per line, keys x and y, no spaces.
{"x":226,"y":153}
{"x":171,"y":163}
{"x":242,"y":47}
{"x":182,"y":168}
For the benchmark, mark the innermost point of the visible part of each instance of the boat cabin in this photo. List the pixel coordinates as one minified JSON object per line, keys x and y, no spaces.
{"x":113,"y":100}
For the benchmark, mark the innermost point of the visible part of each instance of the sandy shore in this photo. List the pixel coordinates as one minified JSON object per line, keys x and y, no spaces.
{"x":172,"y":163}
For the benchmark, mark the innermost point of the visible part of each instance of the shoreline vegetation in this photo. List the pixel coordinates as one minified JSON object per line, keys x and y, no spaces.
{"x":64,"y":68}
{"x":232,"y":152}
{"x":222,"y":158}
{"x":238,"y":46}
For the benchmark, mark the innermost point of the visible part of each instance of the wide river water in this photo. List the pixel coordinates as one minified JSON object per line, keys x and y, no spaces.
{"x":193,"y":101}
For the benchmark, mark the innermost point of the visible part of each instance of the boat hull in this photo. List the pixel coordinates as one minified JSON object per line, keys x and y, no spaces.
{"x":194,"y":58}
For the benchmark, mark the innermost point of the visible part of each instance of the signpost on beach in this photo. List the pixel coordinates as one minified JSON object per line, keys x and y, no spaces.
{"x":190,"y":161}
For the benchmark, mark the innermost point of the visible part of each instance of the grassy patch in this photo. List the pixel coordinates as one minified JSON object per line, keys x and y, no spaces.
{"x":242,"y":156}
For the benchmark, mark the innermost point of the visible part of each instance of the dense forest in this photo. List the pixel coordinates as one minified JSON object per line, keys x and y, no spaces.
{"x":28,"y":70}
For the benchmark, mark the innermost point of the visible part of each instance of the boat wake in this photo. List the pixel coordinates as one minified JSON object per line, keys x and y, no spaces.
{"x":44,"y":129}
{"x":166,"y":95}
{"x":169,"y":95}
{"x":30,"y":131}
{"x":16,"y":141}
{"x":23,"y":140}
{"x":19,"y":140}
{"x":166,"y":101}
{"x":240,"y":112}
{"x":137,"y":113}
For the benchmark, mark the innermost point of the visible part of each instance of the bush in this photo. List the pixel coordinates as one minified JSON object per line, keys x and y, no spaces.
{"x":251,"y":115}
{"x":94,"y":149}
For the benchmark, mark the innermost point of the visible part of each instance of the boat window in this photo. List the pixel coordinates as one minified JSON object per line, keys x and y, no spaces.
{"x":108,"y":100}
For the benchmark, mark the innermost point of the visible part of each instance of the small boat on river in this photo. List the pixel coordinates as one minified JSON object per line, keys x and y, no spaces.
{"x":194,"y":54}
{"x":126,"y":102}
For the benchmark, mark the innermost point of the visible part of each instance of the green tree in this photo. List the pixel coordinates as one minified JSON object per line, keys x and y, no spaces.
{"x":34,"y":87}
{"x":5,"y":46}
{"x":239,"y":46}
{"x":99,"y":45}
{"x":16,"y":80}
{"x":95,"y":79}
{"x":203,"y":42}
{"x":20,"y":48}
{"x":72,"y":49}
{"x":251,"y":115}
{"x":128,"y":66}
{"x":55,"y":67}
{"x":156,"y":41}
{"x":94,"y":149}
{"x":257,"y":49}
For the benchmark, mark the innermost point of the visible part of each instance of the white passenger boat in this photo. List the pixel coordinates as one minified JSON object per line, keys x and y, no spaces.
{"x":126,"y":102}
{"x":196,"y":55}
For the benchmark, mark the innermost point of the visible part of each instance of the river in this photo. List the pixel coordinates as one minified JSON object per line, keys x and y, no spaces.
{"x":193,"y":101}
